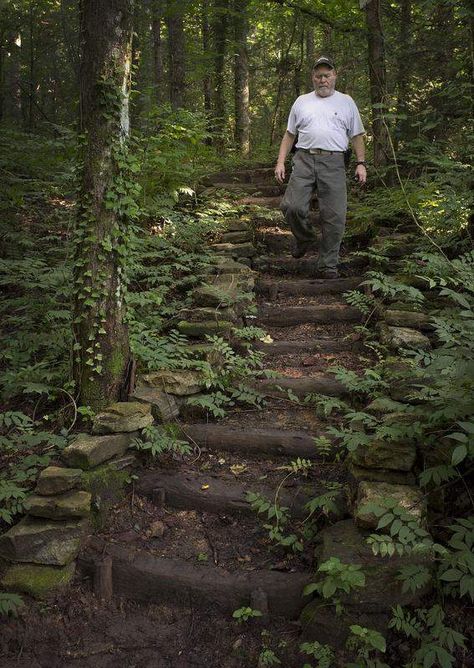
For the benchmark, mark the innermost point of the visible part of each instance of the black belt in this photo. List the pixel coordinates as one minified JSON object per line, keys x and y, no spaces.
{"x":318,"y":151}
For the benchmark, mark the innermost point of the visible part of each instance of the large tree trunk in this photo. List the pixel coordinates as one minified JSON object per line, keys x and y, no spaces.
{"x":101,"y":350}
{"x":157,"y":43}
{"x":220,"y":25}
{"x":176,"y":52}
{"x":378,"y":82}
{"x":241,"y":77}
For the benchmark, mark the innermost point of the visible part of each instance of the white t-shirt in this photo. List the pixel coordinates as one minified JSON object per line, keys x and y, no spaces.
{"x":325,"y":122}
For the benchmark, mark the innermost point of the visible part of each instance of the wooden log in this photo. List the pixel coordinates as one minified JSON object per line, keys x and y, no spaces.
{"x":305,"y":266}
{"x":301,"y":387}
{"x":288,"y":316}
{"x":252,"y":440}
{"x":103,"y":582}
{"x":322,"y":346}
{"x":269,"y":202}
{"x":140,"y":576}
{"x":220,"y":493}
{"x":311,"y":287}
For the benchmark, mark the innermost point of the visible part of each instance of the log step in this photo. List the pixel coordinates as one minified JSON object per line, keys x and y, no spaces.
{"x":140,"y":576}
{"x":266,"y":440}
{"x":322,"y":346}
{"x":310,"y":288}
{"x":305,"y":266}
{"x":288,"y":316}
{"x":301,"y":387}
{"x":219,"y":493}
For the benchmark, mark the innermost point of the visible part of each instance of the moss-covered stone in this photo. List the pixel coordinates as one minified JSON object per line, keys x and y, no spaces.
{"x":202,"y":329}
{"x":402,"y":318}
{"x":235,"y":237}
{"x":61,"y":506}
{"x":88,"y":451}
{"x":359,"y":473}
{"x":163,"y":406}
{"x":407,"y":497}
{"x":38,"y":541}
{"x":56,"y":480}
{"x":398,"y":456}
{"x":107,"y":485}
{"x":123,"y":416}
{"x":398,"y":338}
{"x":181,"y":382}
{"x":245,"y":250}
{"x":37,"y":580}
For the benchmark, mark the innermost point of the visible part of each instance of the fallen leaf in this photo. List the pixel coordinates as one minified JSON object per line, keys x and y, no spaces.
{"x":204,"y":486}
{"x":266,"y":339}
{"x":237,"y":469}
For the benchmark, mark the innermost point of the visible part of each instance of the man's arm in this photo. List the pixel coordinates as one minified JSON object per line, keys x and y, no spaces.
{"x":285,"y":148}
{"x":359,"y":150}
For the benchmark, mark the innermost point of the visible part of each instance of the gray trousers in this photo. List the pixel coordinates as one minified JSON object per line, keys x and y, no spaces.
{"x":327,"y":175}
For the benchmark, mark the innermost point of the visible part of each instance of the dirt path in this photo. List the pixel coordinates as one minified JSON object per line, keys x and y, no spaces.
{"x":187,"y":549}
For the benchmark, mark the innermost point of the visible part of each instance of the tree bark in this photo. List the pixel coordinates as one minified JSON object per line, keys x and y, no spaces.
{"x":31,"y":68}
{"x":101,"y":350}
{"x":220,"y":26}
{"x":176,"y":52}
{"x":206,"y":49}
{"x":402,"y":74}
{"x":157,"y":43}
{"x":378,"y":82}
{"x":241,"y":77}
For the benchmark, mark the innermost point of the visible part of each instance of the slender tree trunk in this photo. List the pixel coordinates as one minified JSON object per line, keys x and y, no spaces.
{"x":32,"y":75}
{"x":402,"y":74}
{"x":241,"y":77}
{"x":310,"y":55}
{"x":298,"y":79}
{"x":206,"y":48}
{"x":378,"y":82}
{"x":157,"y":43}
{"x":13,"y":94}
{"x":101,"y":350}
{"x":283,"y":68}
{"x":220,"y":27}
{"x":2,"y":78}
{"x":176,"y":52}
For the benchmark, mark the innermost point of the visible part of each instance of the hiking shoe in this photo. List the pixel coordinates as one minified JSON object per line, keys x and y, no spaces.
{"x":300,"y":249}
{"x":326,"y":273}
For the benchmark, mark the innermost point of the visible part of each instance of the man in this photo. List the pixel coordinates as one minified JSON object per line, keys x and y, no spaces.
{"x":324,"y":120}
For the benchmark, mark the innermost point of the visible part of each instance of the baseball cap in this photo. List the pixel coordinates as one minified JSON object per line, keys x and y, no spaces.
{"x":324,"y":60}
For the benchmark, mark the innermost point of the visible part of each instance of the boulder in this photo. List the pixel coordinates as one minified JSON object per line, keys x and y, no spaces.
{"x":43,"y":542}
{"x":123,"y":416}
{"x":181,"y":382}
{"x":412,"y":319}
{"x":38,"y":580}
{"x":224,"y":313}
{"x":226,"y":265}
{"x":397,"y":338}
{"x":88,"y":451}
{"x":230,"y":281}
{"x":407,"y":497}
{"x":163,"y":406}
{"x":216,"y":295}
{"x":56,"y":480}
{"x":234,"y":237}
{"x":60,"y":507}
{"x":385,"y":455}
{"x":237,"y":226}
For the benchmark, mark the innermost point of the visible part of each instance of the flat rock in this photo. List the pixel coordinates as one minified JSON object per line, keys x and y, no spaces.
{"x":235,"y":250}
{"x":123,"y":416}
{"x":215,"y":295}
{"x":164,"y":407}
{"x":235,"y":237}
{"x":226,"y":265}
{"x":60,"y":507}
{"x":237,"y":226}
{"x":224,"y":313}
{"x":56,"y":480}
{"x":38,"y":580}
{"x":408,"y":498}
{"x":385,"y":455}
{"x":181,"y":382}
{"x":202,"y":329}
{"x":397,"y":338}
{"x":411,"y":319}
{"x":41,"y":541}
{"x":88,"y":451}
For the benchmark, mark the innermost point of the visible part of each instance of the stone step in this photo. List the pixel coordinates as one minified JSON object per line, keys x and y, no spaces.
{"x":258,"y":441}
{"x":288,"y":316}
{"x":267,"y":202}
{"x":222,"y":493}
{"x":141,"y":576}
{"x":306,"y":287}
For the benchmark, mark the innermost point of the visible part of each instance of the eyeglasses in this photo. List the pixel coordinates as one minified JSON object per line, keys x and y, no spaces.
{"x":328,"y":75}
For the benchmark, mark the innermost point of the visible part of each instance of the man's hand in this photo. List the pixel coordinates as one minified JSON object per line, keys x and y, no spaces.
{"x":360,"y":174}
{"x":280,"y":172}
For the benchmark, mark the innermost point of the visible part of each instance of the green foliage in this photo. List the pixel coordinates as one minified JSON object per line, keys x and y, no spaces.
{"x":323,"y":654}
{"x":457,"y":567}
{"x":245,"y":613}
{"x":436,"y":641}
{"x":366,"y":642}
{"x":279,"y":517}
{"x":337,"y":578}
{"x":10,"y":604}
{"x":157,"y":440}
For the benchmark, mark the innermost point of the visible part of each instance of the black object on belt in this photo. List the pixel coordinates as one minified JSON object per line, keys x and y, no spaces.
{"x":318,"y":151}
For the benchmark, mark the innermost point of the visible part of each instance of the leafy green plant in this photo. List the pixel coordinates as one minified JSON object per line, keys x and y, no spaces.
{"x":365,"y":642}
{"x":323,"y":654}
{"x":157,"y":440}
{"x":10,"y":604}
{"x":279,"y":517}
{"x":245,"y":613}
{"x":267,"y":657}
{"x":337,"y":578}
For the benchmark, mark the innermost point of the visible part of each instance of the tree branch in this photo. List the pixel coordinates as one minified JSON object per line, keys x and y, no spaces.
{"x":320,"y":17}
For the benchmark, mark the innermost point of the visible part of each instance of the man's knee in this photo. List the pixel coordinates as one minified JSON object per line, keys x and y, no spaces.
{"x":293,"y":210}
